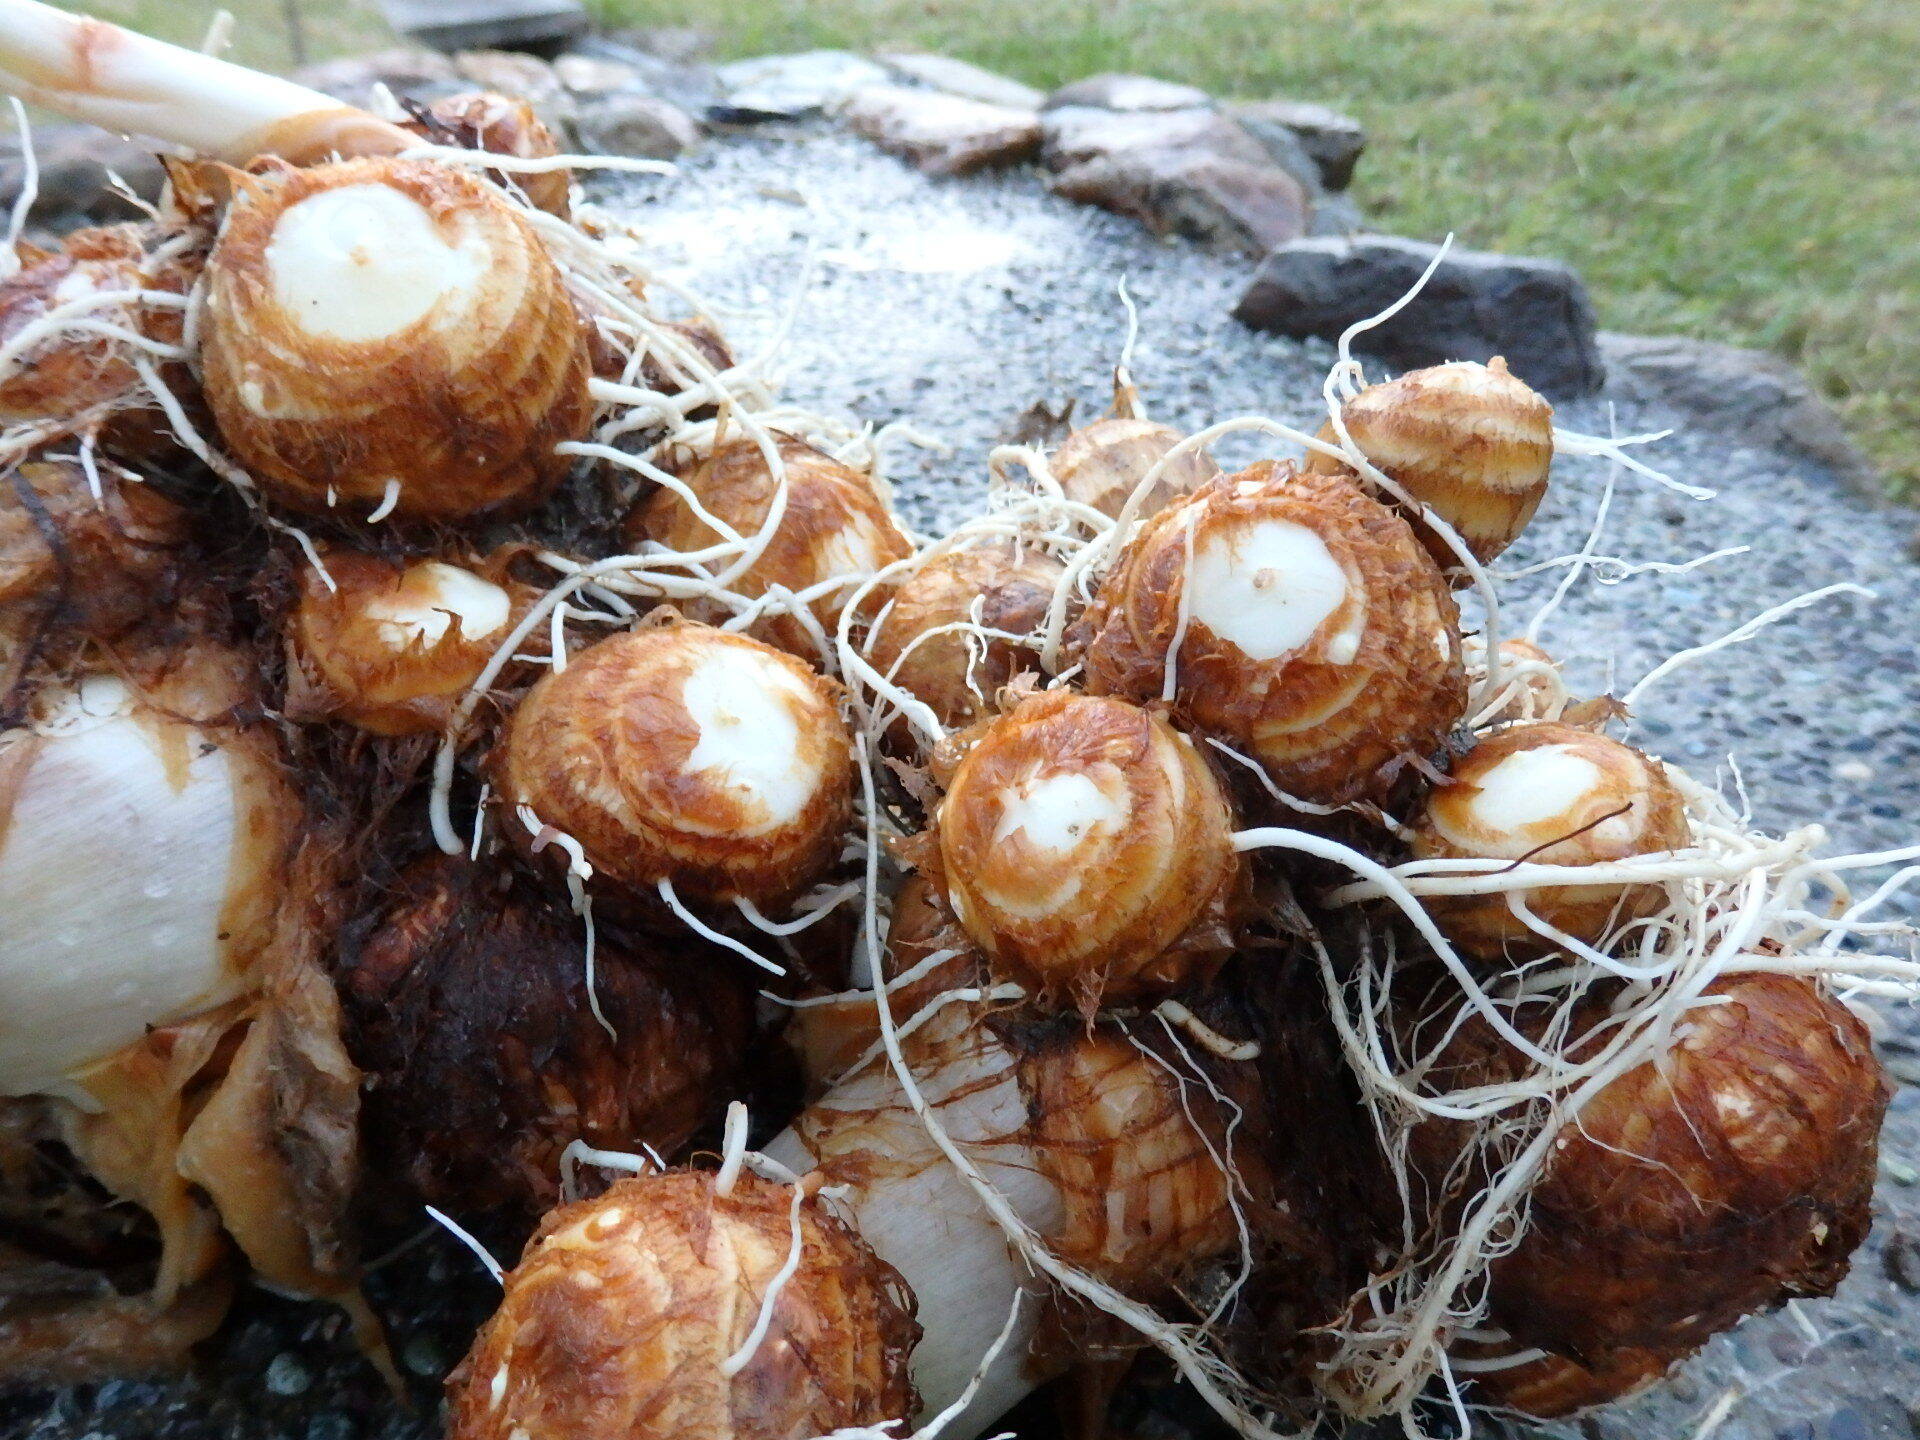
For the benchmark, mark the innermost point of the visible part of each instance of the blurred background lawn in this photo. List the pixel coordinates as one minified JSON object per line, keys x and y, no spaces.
{"x":1741,"y":170}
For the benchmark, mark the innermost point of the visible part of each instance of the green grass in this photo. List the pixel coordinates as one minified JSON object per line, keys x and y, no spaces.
{"x":260,"y":34}
{"x":1742,"y":170}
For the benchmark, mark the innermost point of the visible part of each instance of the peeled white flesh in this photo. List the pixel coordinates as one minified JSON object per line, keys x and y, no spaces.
{"x":423,"y":613}
{"x":1058,"y":812}
{"x":922,"y":1218}
{"x":363,"y":262}
{"x":115,"y":869}
{"x":1531,"y":786}
{"x":1265,"y":588}
{"x":744,"y":705}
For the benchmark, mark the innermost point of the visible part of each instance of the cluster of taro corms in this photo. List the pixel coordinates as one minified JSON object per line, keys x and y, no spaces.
{"x":463,"y":739}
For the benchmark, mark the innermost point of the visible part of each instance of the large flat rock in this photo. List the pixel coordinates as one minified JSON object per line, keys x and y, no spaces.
{"x":957,"y":305}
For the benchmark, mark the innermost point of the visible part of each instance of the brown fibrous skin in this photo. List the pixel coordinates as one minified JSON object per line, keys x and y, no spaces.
{"x":1326,"y":726}
{"x":1139,"y":903}
{"x":73,"y":569}
{"x":1144,"y":1182}
{"x":835,"y":524}
{"x":345,"y":662}
{"x":1634,"y":809}
{"x":1471,"y":442}
{"x":501,"y":125}
{"x":1733,"y":1173}
{"x":463,"y":408}
{"x":618,"y":1320}
{"x":602,"y":751}
{"x":1554,"y":1386}
{"x":1102,"y":463}
{"x":999,"y":587}
{"x":470,"y":1014}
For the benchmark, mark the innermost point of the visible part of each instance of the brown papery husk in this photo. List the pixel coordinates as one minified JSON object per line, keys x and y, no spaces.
{"x":1554,"y":1386}
{"x":1151,"y":911}
{"x":500,"y":125}
{"x":1472,"y":442}
{"x":463,"y":408}
{"x":1102,"y":463}
{"x":613,"y":720}
{"x":1325,"y":731}
{"x":1485,"y":925}
{"x":338,"y":664}
{"x":74,"y":570}
{"x":470,"y":1013}
{"x":1727,"y":1176}
{"x":957,"y":676}
{"x":616,"y":1322}
{"x":835,"y":523}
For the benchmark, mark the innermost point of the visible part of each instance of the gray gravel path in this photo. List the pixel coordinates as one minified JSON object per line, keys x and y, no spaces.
{"x":957,"y":304}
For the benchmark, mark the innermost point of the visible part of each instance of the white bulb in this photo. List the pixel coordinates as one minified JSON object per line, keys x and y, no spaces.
{"x":743,"y":703}
{"x":1058,"y":812}
{"x":121,"y":838}
{"x":1266,"y":587}
{"x":363,"y":262}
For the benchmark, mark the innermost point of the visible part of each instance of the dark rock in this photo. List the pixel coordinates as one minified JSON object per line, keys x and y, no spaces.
{"x":797,"y":86}
{"x":1336,"y":215}
{"x":635,"y":124}
{"x":1332,"y":141}
{"x":957,"y":77}
{"x":1476,"y":305}
{"x":1202,"y":196}
{"x":1284,"y":148}
{"x":942,"y":134}
{"x":1759,"y":397}
{"x":73,"y":164}
{"x":1131,"y":93}
{"x":1075,"y":134}
{"x":684,"y":81}
{"x":408,"y":71}
{"x":544,"y":25}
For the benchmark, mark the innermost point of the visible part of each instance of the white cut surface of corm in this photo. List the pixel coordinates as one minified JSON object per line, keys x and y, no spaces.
{"x":365,"y":262}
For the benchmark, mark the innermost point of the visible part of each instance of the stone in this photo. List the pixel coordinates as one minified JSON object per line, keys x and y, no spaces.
{"x":1759,"y":397}
{"x":1336,"y":215}
{"x":1333,"y":141}
{"x":677,"y":44}
{"x":795,"y":87}
{"x":1075,"y":134}
{"x":942,"y":134}
{"x":1285,"y":149}
{"x":1138,"y":94}
{"x":406,"y":70}
{"x":73,"y":164}
{"x":686,"y":82}
{"x":593,"y":75}
{"x":523,"y":77}
{"x":635,"y":124}
{"x":488,"y":24}
{"x":1233,"y":204}
{"x":1476,"y":305}
{"x":958,"y":77}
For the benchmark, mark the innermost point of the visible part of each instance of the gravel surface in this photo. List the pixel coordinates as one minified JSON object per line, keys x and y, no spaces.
{"x":959,"y":304}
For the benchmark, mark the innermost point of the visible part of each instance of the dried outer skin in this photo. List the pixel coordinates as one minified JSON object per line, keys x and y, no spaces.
{"x":501,"y":125}
{"x":1733,"y":1175}
{"x":88,"y":570}
{"x":1145,"y":1197}
{"x":830,"y":1038}
{"x":1447,"y":828}
{"x":463,"y":408}
{"x":1102,"y":463}
{"x":1471,"y":442}
{"x":1553,"y":1386}
{"x":957,"y":679}
{"x":616,"y":1323}
{"x":1138,"y":904}
{"x":1323,"y":730}
{"x":1528,"y":696}
{"x":469,"y":1012}
{"x":602,"y":750}
{"x":835,"y":524}
{"x":340,"y":665}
